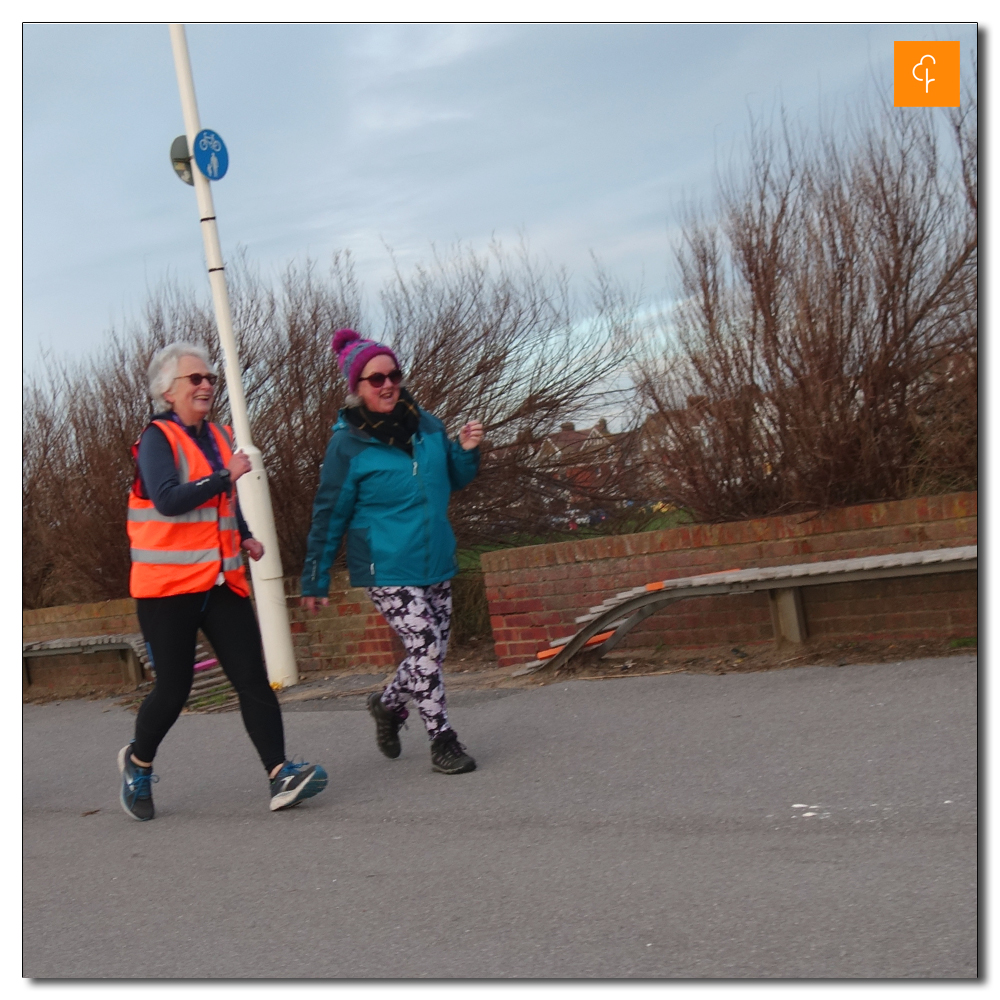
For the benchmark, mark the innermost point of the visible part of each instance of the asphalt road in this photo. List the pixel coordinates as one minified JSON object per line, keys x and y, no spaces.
{"x":816,"y":822}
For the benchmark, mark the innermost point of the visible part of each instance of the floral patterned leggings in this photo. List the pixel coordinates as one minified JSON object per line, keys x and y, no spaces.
{"x":421,"y":617}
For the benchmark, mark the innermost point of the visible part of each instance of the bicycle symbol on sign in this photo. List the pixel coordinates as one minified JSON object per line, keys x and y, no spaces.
{"x":210,"y":141}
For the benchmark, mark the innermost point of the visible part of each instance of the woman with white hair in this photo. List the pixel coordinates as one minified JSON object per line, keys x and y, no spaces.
{"x":187,"y":535}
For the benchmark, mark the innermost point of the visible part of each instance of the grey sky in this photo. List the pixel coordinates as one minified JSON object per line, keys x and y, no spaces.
{"x":581,"y":138}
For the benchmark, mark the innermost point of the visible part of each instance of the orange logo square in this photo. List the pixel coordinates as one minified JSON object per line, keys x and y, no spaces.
{"x":926,"y":74}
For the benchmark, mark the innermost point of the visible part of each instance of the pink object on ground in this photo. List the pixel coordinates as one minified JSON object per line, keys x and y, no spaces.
{"x":204,"y":664}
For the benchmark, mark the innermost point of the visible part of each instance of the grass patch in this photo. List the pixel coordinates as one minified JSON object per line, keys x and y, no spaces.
{"x":964,"y":642}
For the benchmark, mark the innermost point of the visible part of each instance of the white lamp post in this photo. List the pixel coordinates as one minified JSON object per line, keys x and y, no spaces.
{"x":255,"y":497}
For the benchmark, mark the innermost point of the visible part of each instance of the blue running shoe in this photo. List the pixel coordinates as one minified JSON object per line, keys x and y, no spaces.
{"x":137,"y":786}
{"x":296,"y":782}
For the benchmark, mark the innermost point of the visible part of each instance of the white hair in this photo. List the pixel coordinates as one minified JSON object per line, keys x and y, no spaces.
{"x":163,"y":368}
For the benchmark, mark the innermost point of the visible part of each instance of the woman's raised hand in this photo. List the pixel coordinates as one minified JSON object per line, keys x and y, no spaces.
{"x":470,"y":435}
{"x":238,"y":465}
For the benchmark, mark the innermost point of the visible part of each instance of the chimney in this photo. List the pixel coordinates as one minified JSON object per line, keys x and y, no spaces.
{"x":567,"y":427}
{"x":602,"y":425}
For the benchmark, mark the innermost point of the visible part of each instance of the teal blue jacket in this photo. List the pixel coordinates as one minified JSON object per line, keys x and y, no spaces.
{"x":393,"y":508}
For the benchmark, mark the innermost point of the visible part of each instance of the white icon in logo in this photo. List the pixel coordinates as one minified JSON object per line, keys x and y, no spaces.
{"x":213,"y":166}
{"x":926,"y":79}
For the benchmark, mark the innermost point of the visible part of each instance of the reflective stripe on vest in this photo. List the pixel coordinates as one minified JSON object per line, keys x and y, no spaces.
{"x":196,"y":516}
{"x":175,"y":557}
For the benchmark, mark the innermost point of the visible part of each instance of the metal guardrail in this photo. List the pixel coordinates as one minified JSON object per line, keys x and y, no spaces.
{"x":618,"y":615}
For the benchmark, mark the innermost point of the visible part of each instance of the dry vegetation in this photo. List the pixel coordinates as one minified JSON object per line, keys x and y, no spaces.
{"x":492,"y":336}
{"x":825,"y":348}
{"x":824,"y":352}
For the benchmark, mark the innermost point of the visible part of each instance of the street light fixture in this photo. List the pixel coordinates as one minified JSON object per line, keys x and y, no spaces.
{"x":180,"y":158}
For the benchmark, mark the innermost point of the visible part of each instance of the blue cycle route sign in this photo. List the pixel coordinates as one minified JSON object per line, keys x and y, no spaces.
{"x":210,"y":154}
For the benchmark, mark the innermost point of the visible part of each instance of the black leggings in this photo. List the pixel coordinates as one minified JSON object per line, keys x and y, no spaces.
{"x":169,"y":626}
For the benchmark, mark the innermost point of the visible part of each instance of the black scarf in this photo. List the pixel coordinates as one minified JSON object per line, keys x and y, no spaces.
{"x":394,"y":428}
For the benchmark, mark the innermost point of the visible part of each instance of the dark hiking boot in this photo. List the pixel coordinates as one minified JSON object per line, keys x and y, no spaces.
{"x":136,"y":794}
{"x":295,"y":782}
{"x":448,"y":755}
{"x":387,"y":725}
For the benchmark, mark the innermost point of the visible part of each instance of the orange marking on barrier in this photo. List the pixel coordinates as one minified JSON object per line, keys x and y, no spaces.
{"x":660,"y":584}
{"x":546,"y":653}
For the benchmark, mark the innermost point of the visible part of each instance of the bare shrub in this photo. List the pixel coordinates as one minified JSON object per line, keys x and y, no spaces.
{"x":824,"y":351}
{"x":497,"y":338}
{"x":492,"y":337}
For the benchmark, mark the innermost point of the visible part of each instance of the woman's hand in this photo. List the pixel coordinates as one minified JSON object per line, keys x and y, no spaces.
{"x":470,"y":435}
{"x":253,"y":548}
{"x":238,"y":465}
{"x":309,"y":603}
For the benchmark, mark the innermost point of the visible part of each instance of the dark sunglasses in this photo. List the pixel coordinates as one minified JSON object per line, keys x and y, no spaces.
{"x":378,"y":379}
{"x":197,"y":377}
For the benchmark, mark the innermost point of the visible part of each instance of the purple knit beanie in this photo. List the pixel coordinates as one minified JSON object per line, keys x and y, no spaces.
{"x":354,"y":352}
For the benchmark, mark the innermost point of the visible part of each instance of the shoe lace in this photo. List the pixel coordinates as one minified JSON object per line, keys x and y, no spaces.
{"x":392,"y":721}
{"x":140,"y":785}
{"x":450,"y":748}
{"x":291,"y":767}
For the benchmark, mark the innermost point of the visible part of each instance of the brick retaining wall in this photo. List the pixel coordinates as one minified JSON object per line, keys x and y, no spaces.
{"x":537,"y":591}
{"x":105,"y":672}
{"x":68,"y":674}
{"x":349,"y":634}
{"x":72,"y":621}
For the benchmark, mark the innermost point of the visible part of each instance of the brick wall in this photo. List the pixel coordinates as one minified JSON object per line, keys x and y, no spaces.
{"x":104,"y":672}
{"x":71,"y":621}
{"x":349,"y":634}
{"x":535,"y":592}
{"x":68,"y":674}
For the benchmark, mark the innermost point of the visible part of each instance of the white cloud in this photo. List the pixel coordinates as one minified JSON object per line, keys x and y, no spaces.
{"x":391,"y":50}
{"x":388,"y":116}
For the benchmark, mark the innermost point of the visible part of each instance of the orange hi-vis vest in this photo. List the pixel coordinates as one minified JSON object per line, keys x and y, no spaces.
{"x":184,"y":554}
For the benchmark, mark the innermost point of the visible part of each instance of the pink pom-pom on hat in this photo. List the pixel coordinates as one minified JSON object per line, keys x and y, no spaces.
{"x":353,"y":352}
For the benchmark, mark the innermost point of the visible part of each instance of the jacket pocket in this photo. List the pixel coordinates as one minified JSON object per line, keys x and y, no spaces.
{"x":359,"y":557}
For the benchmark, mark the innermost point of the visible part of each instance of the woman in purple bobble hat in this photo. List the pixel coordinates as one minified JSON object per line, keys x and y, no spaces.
{"x":388,"y":474}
